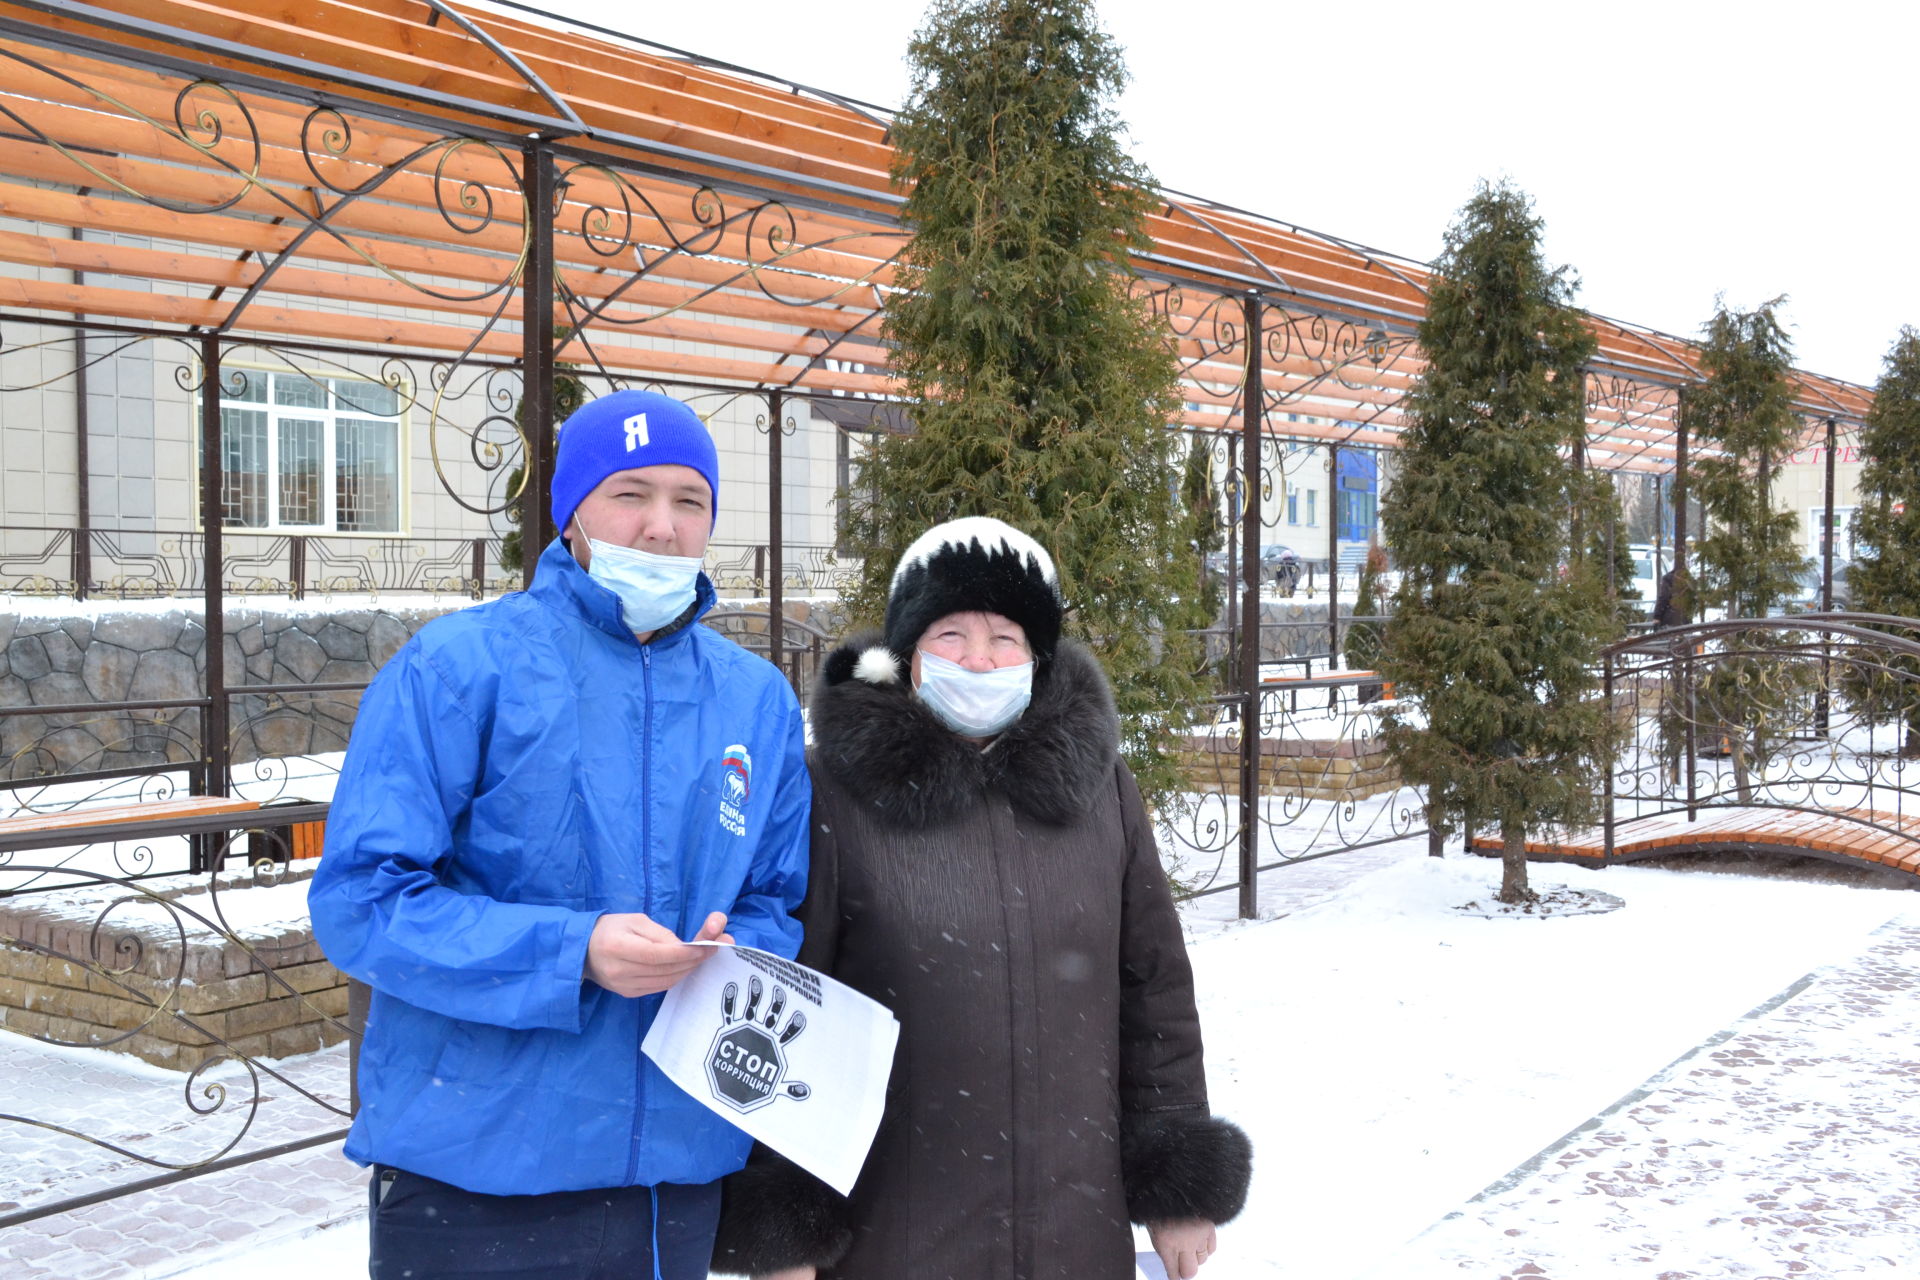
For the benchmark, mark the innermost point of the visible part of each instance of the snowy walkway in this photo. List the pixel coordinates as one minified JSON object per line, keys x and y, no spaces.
{"x":1790,"y":1147}
{"x":1719,"y":1080}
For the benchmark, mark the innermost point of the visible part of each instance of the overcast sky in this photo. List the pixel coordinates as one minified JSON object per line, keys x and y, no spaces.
{"x":1677,"y":150}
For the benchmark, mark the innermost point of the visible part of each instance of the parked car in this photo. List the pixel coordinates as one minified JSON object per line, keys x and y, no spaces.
{"x":1648,"y":565}
{"x":1280,"y":565}
{"x":1807,"y":598}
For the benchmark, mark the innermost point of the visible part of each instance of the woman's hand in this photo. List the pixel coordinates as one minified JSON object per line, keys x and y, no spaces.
{"x":791,"y":1273}
{"x":1183,"y":1245}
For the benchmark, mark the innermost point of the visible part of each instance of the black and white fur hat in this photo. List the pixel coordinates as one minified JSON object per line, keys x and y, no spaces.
{"x":972,"y":564}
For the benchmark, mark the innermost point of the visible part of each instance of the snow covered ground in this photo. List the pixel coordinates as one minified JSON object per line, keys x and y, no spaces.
{"x":1408,"y":1074}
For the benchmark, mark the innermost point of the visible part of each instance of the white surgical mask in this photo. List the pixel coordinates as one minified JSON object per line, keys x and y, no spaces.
{"x":653,"y":589}
{"x":974,"y":704}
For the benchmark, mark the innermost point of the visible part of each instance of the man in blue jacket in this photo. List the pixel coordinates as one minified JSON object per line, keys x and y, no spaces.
{"x":544,"y":795}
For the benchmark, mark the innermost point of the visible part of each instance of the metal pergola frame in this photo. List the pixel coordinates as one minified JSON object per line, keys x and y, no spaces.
{"x":476,"y":170}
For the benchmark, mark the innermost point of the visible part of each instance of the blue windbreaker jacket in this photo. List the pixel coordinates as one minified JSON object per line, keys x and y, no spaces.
{"x":515,"y":771}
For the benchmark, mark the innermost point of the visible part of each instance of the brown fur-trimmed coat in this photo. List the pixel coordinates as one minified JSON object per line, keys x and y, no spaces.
{"x":1009,"y":906}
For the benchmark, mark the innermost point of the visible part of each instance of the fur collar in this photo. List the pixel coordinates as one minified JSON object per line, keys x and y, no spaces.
{"x":873,"y":737}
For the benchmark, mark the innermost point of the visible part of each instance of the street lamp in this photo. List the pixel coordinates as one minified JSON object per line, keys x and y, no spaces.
{"x":1376,"y":345}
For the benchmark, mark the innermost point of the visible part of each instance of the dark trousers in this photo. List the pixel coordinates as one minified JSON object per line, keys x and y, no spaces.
{"x":422,"y":1229}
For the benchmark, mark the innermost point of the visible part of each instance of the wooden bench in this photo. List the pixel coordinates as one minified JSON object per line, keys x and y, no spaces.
{"x":1868,"y":836}
{"x":1367,"y":686}
{"x":203,"y":819}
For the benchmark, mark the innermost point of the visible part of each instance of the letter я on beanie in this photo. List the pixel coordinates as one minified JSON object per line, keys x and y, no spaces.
{"x":624,"y":430}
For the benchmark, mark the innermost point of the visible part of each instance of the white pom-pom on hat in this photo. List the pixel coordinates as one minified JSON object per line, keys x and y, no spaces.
{"x":877,"y":665}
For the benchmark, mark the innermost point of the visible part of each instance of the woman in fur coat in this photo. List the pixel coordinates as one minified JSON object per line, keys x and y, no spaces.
{"x":983,"y":866}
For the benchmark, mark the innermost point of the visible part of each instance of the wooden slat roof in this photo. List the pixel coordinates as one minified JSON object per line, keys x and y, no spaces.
{"x":713,"y":225}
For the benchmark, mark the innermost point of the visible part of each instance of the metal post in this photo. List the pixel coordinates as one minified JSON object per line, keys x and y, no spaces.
{"x":1822,"y":702}
{"x":480,"y":568}
{"x":1333,"y":556}
{"x":1687,"y":712}
{"x":82,"y":451}
{"x":776,"y":604}
{"x":214,"y":750}
{"x":297,"y":566}
{"x":1606,"y":822}
{"x":1684,"y":667}
{"x":1680,"y":497}
{"x":536,"y":396}
{"x":1830,"y":531}
{"x":1659,"y":528}
{"x":1252,"y":413}
{"x":1236,"y":507}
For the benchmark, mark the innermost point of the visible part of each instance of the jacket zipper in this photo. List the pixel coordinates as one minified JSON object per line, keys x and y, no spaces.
{"x":646,"y":898}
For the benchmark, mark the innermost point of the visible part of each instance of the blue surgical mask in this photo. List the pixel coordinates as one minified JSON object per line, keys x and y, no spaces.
{"x":974,"y":704}
{"x":654,"y":590}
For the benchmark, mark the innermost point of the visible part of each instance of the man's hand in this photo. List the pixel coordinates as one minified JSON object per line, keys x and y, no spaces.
{"x":630,"y":955}
{"x":791,"y":1273}
{"x":1182,"y":1245}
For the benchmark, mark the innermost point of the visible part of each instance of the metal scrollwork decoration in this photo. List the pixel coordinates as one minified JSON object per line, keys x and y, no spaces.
{"x":719,"y":245}
{"x":1811,"y":713}
{"x":1325,"y":783}
{"x":140,"y":953}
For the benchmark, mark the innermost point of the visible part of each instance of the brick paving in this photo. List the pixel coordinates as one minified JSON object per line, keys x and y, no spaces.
{"x":1785,"y":1146}
{"x":169,"y":1229}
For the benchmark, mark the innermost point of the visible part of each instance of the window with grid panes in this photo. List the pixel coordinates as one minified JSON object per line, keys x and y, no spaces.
{"x":309,"y":455}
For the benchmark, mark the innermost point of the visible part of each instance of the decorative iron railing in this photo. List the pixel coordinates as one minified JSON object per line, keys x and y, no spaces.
{"x":145,"y":564}
{"x":1319,"y":771}
{"x":163,"y":969}
{"x":1817,"y":713}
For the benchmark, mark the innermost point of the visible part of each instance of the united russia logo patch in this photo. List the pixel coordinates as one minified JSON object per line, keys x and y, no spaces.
{"x":736,"y":783}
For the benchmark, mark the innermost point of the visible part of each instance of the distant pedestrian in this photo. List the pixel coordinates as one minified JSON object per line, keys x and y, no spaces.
{"x":1669,"y":601}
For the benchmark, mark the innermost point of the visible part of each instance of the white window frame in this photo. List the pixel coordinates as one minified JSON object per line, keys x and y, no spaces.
{"x":328,"y":527}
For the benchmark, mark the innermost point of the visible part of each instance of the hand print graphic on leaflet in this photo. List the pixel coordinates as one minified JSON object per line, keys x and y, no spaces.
{"x":747,"y":1065}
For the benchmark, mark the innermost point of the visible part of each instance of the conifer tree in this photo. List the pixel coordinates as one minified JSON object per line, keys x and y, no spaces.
{"x":1749,"y":561}
{"x":1885,"y":577}
{"x":1201,"y":495}
{"x":1490,"y":640}
{"x":1362,"y":648}
{"x":1608,"y":554}
{"x":1039,"y":386}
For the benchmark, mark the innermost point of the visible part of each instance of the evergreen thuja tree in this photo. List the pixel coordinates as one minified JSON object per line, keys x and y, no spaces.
{"x":1608,"y":555}
{"x":1208,"y":529}
{"x":1491,"y":643}
{"x":1750,"y":560}
{"x":1039,"y":387}
{"x":1885,"y":577}
{"x":1362,"y":647}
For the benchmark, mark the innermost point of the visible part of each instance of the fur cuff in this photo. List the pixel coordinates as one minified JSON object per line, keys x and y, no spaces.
{"x":1184,"y":1164}
{"x":775,"y":1215}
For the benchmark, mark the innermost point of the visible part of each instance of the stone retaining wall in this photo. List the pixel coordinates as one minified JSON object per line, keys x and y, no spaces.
{"x":220,"y":984}
{"x":112,"y":656}
{"x":1310,"y":769}
{"x":135,"y":655}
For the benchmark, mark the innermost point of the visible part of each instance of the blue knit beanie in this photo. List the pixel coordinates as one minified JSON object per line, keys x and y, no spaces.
{"x":623,"y":430}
